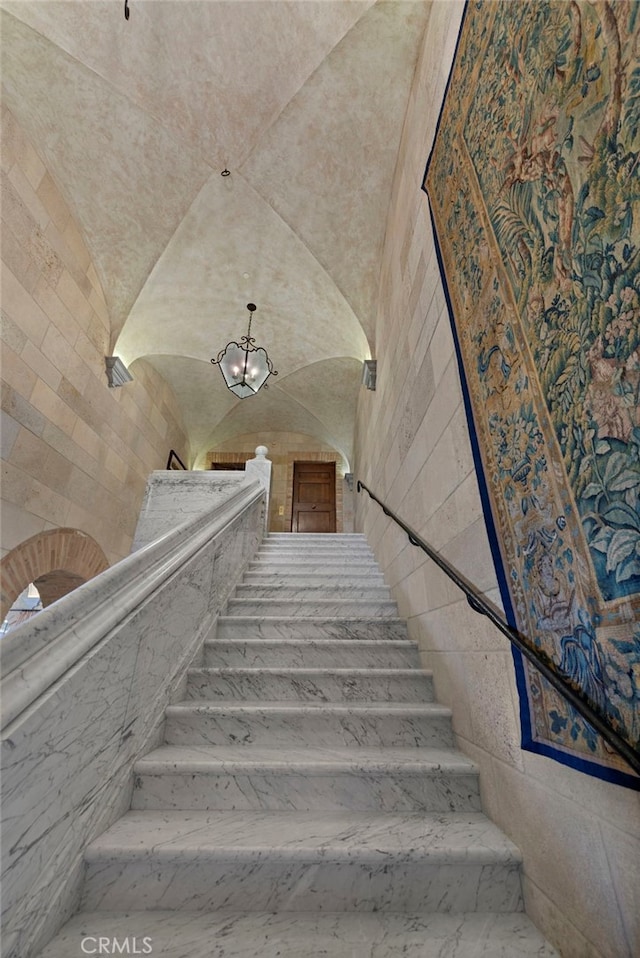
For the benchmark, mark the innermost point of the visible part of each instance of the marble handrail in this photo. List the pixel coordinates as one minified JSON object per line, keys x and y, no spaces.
{"x":37,"y":653}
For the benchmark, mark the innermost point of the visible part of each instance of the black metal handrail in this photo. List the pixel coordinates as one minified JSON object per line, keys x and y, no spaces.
{"x":537,"y":657}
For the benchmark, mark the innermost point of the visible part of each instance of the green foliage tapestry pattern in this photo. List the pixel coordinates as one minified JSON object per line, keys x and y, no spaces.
{"x":534,"y":187}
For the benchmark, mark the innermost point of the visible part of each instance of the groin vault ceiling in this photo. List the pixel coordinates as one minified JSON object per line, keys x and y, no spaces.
{"x":303,"y":102}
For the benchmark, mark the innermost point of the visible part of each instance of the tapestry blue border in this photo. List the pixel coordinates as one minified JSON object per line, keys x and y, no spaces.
{"x":528,"y":743}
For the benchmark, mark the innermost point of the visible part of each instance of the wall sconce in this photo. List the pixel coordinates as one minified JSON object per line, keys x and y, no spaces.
{"x":117,"y":372}
{"x":349,"y":480}
{"x":369,"y":373}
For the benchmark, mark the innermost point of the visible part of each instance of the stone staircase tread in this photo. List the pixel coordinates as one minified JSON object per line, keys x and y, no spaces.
{"x":316,"y":535}
{"x":316,"y":548}
{"x":316,"y":566}
{"x":342,"y":673}
{"x":311,"y":627}
{"x":377,"y":590}
{"x":310,"y":760}
{"x":309,"y":567}
{"x":322,"y":542}
{"x":233,"y":706}
{"x":304,"y":560}
{"x":308,"y":549}
{"x":312,"y":600}
{"x":319,"y":555}
{"x":310,"y":653}
{"x":275,"y":608}
{"x":308,"y":935}
{"x":322,"y":643}
{"x":298,"y":620}
{"x":301,"y":567}
{"x":446,"y":837}
{"x":341,"y":578}
{"x":314,"y":580}
{"x":316,"y":545}
{"x":360,"y":560}
{"x":260,"y":574}
{"x":328,"y":684}
{"x":339,"y":545}
{"x":342,"y":593}
{"x":304,"y":603}
{"x":327,"y":559}
{"x":360,"y":563}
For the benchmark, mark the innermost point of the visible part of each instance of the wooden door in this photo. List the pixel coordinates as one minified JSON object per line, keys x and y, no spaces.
{"x":314,"y":497}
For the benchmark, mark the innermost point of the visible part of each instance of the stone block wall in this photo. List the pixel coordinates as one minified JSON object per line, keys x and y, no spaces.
{"x":75,"y":453}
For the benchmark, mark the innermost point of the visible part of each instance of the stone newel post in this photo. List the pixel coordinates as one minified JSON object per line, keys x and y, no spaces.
{"x":260,"y":469}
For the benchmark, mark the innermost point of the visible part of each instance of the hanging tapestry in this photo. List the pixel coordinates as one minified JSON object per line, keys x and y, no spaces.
{"x":534,"y":189}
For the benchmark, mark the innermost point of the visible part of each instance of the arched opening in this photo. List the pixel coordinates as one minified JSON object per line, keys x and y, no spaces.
{"x":54,"y":562}
{"x":53,"y":585}
{"x":28,"y":604}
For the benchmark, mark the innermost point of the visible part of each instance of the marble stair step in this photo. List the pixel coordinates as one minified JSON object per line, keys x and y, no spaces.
{"x":309,"y":607}
{"x":242,"y":777}
{"x":386,"y":724}
{"x":335,"y":569}
{"x":310,"y":627}
{"x":308,"y":935}
{"x":361,"y":576}
{"x":322,"y":555}
{"x":343,"y":590}
{"x":317,"y":540}
{"x":316,"y":549}
{"x":316,"y":536}
{"x":306,"y":562}
{"x":314,"y":579}
{"x":317,"y":545}
{"x":291,"y":861}
{"x":311,"y":653}
{"x":307,"y":684}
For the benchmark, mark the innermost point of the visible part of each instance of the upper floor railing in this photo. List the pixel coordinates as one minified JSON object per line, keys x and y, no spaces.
{"x":543,"y":663}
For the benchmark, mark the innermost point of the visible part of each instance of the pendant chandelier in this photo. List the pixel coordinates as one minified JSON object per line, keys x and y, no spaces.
{"x":245,"y":366}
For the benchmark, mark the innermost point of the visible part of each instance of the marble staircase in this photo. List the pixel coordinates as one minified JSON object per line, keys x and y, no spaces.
{"x":308,"y":798}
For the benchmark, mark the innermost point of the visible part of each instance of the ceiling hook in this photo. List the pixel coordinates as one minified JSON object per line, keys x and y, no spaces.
{"x":126,"y":9}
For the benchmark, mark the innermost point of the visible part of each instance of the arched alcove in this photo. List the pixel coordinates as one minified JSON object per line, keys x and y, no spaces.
{"x":56,"y":561}
{"x":53,"y":585}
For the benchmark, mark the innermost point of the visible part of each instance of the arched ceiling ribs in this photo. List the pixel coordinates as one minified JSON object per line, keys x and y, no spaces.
{"x":126,"y":179}
{"x":326,"y":165}
{"x":195,"y":66}
{"x":318,"y":400}
{"x":136,"y":119}
{"x":230,"y":249}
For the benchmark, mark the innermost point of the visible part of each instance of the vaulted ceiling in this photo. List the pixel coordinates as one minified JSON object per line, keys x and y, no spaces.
{"x":303,"y":102}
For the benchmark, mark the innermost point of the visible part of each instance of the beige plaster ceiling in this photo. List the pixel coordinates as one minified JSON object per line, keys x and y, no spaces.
{"x":304,"y":103}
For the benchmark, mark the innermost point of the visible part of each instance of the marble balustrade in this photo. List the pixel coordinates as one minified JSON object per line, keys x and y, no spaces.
{"x":171,"y":496}
{"x":85,"y":688}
